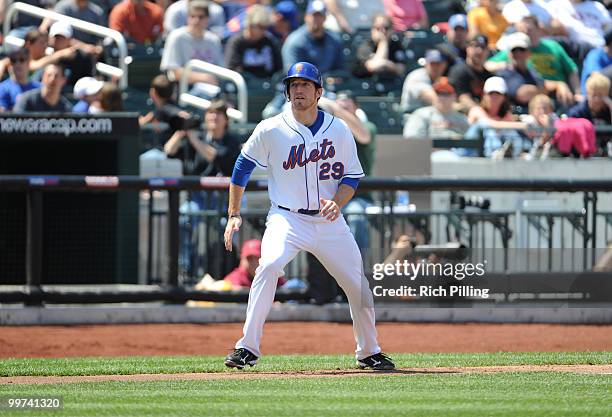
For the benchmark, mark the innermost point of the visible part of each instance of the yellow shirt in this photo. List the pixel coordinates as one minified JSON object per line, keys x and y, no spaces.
{"x":490,"y":26}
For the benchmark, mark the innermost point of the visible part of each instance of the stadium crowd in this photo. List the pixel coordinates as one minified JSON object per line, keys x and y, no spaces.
{"x":519,"y":75}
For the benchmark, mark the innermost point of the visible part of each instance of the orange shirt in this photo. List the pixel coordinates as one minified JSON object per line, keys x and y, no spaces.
{"x":491,"y":26}
{"x":143,"y":24}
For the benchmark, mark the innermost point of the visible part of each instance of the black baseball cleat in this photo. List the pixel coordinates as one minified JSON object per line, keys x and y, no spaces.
{"x":378,"y":362}
{"x":240,"y":358}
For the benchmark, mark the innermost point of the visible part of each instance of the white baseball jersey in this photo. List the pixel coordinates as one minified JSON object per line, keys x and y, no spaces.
{"x":303,"y":168}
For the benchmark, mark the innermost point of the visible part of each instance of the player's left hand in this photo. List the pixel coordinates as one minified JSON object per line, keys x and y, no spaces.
{"x":330,"y":209}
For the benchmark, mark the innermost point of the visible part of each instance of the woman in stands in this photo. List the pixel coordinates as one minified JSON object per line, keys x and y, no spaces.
{"x":494,"y":121}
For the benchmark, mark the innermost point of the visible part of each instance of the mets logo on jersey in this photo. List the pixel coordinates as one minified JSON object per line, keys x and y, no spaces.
{"x":298,"y":158}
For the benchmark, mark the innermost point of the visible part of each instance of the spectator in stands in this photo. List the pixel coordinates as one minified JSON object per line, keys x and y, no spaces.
{"x":439,"y":121}
{"x":284,"y":20}
{"x":211,"y":154}
{"x":597,"y":106}
{"x":36,"y":42}
{"x":192,"y":42}
{"x":166,"y":109}
{"x":254,"y":52}
{"x":110,"y":99}
{"x":19,"y":80}
{"x":487,"y":20}
{"x":176,"y":16}
{"x":242,"y":276}
{"x":235,"y":13}
{"x":468,"y":77}
{"x":140,"y":21}
{"x":312,"y":43}
{"x":351,"y":15}
{"x":523,"y":82}
{"x":456,"y":39}
{"x":597,"y":60}
{"x":83,"y":10}
{"x":583,"y":21}
{"x":382,"y":54}
{"x":80,"y":63}
{"x":406,"y":14}
{"x":548,"y":58}
{"x":417,"y":91}
{"x":49,"y":97}
{"x":86,"y":90}
{"x":495,"y":122}
{"x":516,"y":10}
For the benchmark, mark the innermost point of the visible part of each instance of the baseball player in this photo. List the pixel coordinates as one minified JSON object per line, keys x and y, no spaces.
{"x":313,"y":171}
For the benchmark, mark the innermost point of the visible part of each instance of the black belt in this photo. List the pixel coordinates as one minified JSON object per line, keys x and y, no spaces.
{"x":302,"y":211}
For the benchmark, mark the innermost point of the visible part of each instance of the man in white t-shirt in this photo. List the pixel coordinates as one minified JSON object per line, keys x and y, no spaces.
{"x":176,"y":17}
{"x":584,"y":21}
{"x":192,"y":42}
{"x":515,"y":10}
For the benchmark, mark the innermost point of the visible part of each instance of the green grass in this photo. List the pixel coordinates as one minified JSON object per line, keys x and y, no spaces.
{"x":182,"y":364}
{"x":532,"y":394}
{"x":431,"y":395}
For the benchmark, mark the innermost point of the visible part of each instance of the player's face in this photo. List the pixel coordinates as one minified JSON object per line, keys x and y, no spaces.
{"x":303,"y":94}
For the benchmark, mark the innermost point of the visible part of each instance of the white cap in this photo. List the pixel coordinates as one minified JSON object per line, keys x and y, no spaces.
{"x":495,"y":85}
{"x":87,"y":86}
{"x":517,"y":40}
{"x":60,"y":28}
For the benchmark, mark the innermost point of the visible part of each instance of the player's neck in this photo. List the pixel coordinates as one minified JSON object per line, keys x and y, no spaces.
{"x":306,"y":117}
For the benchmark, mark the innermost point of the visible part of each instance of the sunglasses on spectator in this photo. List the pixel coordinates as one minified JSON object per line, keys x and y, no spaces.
{"x":19,"y":60}
{"x":519,"y":49}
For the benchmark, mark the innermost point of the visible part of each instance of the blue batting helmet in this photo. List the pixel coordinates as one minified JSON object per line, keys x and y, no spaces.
{"x":304,"y":70}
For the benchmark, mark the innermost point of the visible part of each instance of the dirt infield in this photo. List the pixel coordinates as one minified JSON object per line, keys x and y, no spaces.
{"x":291,"y":337}
{"x":581,"y":369}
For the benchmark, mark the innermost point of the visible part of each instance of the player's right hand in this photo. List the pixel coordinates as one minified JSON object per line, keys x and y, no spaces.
{"x":233,"y":225}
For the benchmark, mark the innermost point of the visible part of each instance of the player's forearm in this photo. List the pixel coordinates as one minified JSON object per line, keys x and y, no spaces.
{"x":344,"y":195}
{"x":235,"y":197}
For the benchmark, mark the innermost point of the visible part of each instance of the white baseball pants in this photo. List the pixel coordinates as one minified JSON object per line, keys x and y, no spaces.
{"x":333,"y":244}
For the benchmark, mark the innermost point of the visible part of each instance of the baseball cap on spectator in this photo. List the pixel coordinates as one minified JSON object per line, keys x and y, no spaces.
{"x":251,"y":248}
{"x":495,"y":85}
{"x":458,"y":20}
{"x":608,"y":37}
{"x":434,"y":55}
{"x":442,"y":86}
{"x":479,"y":40}
{"x":87,"y":86}
{"x":289,"y":11}
{"x":60,"y":29}
{"x":316,"y":6}
{"x":518,"y":40}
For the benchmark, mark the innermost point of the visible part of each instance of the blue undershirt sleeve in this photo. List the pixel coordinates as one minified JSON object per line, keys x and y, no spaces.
{"x":352,"y":182}
{"x":243,"y":168}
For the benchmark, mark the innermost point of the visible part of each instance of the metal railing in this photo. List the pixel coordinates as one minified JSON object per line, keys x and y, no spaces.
{"x":120,"y":72}
{"x":587,"y":226}
{"x":185,"y":98}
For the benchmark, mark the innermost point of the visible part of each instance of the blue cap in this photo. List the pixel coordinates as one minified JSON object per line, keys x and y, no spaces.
{"x":316,"y":6}
{"x":458,"y":20}
{"x":434,"y":55}
{"x":304,"y":70}
{"x":289,"y":11}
